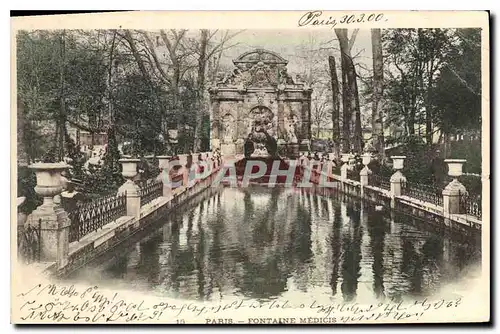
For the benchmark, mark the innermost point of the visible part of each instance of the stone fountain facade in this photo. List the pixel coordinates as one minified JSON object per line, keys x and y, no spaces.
{"x":260,"y":96}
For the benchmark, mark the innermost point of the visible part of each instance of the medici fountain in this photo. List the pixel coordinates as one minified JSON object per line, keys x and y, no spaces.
{"x":259,"y":109}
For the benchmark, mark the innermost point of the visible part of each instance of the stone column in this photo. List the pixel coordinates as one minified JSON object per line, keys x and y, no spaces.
{"x":240,"y":129}
{"x":281,"y":120}
{"x":455,"y":189}
{"x":129,"y":171}
{"x":398,"y":180}
{"x":215,"y":124}
{"x":345,"y":166}
{"x":305,"y":133}
{"x":55,"y":223}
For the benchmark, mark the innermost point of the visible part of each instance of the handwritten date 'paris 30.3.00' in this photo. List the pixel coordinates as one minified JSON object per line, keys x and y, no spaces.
{"x":316,"y":18}
{"x":92,"y":305}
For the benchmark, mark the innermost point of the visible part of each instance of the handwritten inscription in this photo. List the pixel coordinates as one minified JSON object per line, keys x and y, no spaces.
{"x":316,"y":18}
{"x":54,"y":303}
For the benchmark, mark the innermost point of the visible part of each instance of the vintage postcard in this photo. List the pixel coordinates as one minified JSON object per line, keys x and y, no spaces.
{"x":313,"y":167}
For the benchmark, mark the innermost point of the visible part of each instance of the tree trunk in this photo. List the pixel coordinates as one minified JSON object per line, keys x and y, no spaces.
{"x":61,"y":122}
{"x":135,"y":53}
{"x":202,"y":64}
{"x":336,"y":105}
{"x":378,"y":77}
{"x":355,"y":108}
{"x":346,"y":110}
{"x":428,"y":114}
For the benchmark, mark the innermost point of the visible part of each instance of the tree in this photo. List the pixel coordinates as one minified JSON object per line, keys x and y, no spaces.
{"x":350,"y":98}
{"x":320,"y":112}
{"x":456,"y":95}
{"x":51,"y":98}
{"x":417,"y":57}
{"x":205,"y":49}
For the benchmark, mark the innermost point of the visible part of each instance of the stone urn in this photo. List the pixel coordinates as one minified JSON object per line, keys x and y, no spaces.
{"x":455,"y":167}
{"x":398,"y":161}
{"x":366,"y":158}
{"x":129,"y":167}
{"x":129,"y":172}
{"x":455,"y":187}
{"x":49,"y":181}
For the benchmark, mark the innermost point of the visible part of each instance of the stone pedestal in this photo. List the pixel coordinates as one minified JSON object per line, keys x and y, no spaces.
{"x":363,"y":176}
{"x":164,"y":165}
{"x":54,"y":221}
{"x":455,"y":189}
{"x":365,"y":172}
{"x":398,"y":180}
{"x":451,"y":197}
{"x":343,"y":171}
{"x":345,"y":166}
{"x":129,"y":171}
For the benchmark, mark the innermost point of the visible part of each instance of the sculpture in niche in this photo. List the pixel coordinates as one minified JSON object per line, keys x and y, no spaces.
{"x":262,"y":118}
{"x":291,"y":123}
{"x":259,"y":142}
{"x":228,"y":129}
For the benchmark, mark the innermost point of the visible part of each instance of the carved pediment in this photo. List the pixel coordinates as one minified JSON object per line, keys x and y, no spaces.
{"x":257,"y":68}
{"x":250,"y":58}
{"x":262,"y":76}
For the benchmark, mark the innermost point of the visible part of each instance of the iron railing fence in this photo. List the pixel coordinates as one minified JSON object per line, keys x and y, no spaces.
{"x":423,"y":192}
{"x":150,"y":191}
{"x":28,"y":243}
{"x":380,"y":181}
{"x":91,"y":216}
{"x":471,"y":205}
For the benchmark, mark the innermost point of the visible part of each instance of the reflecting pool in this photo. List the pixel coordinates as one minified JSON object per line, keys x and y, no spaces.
{"x":265,"y":243}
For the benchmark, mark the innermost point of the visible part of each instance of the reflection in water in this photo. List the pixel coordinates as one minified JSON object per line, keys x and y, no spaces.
{"x":263,"y":242}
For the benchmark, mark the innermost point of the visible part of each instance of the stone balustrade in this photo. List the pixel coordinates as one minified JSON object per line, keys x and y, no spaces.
{"x":449,"y":198}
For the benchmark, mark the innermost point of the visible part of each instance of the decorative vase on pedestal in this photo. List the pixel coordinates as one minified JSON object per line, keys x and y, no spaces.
{"x":50,"y":216}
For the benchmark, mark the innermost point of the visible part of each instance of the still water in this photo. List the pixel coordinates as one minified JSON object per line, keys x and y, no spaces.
{"x":265,"y":243}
